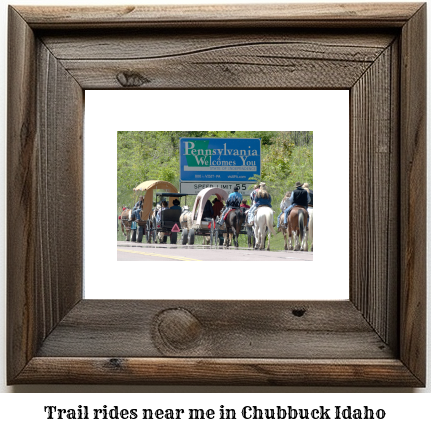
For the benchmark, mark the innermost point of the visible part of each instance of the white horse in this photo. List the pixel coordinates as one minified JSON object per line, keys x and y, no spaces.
{"x":185,"y":223}
{"x":185,"y":218}
{"x":264,"y":218}
{"x":310,"y":227}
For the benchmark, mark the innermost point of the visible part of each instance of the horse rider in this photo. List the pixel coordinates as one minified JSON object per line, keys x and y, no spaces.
{"x":253,"y":194}
{"x":136,"y":211}
{"x":233,"y":201}
{"x":262,"y":198}
{"x":244,"y":204}
{"x":299,"y":197}
{"x":253,"y":206}
{"x":306,"y":186}
{"x":283,"y":206}
{"x":250,"y":214}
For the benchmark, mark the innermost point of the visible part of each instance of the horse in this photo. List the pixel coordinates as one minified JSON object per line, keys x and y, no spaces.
{"x":283,"y":229}
{"x":263,"y":219}
{"x":126,"y":224}
{"x":186,"y":224}
{"x":152,"y":226}
{"x":185,"y":219}
{"x":234,"y":221}
{"x":296,"y":224}
{"x":310,"y":227}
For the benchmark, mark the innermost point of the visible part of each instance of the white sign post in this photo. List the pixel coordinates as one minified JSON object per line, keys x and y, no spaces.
{"x":193,"y":188}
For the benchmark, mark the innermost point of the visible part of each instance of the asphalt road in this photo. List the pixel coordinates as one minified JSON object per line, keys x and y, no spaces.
{"x":128,"y":251}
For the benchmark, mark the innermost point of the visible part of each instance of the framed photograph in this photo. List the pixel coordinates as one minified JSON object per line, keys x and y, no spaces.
{"x":376,"y":337}
{"x":321,"y":158}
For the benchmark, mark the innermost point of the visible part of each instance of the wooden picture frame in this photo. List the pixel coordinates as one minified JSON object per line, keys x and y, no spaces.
{"x":376,"y":338}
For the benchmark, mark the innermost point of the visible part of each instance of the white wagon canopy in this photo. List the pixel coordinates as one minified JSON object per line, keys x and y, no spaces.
{"x":202,"y":198}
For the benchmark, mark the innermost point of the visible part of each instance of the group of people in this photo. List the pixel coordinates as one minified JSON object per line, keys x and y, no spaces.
{"x":136,"y":210}
{"x":302,"y":195}
{"x":259,"y":196}
{"x":165,"y":206}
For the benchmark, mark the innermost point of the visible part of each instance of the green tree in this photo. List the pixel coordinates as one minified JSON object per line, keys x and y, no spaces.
{"x":287,"y":157}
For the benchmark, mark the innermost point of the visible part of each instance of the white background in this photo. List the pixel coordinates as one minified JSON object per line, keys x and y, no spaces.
{"x":404,"y":410}
{"x":326,"y":113}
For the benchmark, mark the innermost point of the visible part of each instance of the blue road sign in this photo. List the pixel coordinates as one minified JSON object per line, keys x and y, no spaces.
{"x":219,"y":159}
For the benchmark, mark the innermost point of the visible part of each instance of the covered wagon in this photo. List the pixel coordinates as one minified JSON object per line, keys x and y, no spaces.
{"x":197,"y":223}
{"x":169,"y":222}
{"x":147,"y":189}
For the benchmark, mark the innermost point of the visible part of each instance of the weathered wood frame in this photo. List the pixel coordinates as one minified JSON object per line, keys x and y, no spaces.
{"x":376,"y":338}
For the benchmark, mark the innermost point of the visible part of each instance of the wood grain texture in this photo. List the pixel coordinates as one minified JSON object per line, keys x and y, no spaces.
{"x":59,"y":183}
{"x":204,"y":59}
{"x":234,"y":329}
{"x":413,"y":193}
{"x":375,"y":338}
{"x":373,"y":215}
{"x":197,"y":371}
{"x":141,"y":44}
{"x":299,"y":14}
{"x":45,"y":188}
{"x":21,"y":195}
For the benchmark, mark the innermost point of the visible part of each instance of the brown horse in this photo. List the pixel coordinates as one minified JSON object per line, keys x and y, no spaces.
{"x":296,"y":225}
{"x":234,"y":221}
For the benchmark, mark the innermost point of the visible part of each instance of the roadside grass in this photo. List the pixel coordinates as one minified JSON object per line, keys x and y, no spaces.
{"x":277,"y":241}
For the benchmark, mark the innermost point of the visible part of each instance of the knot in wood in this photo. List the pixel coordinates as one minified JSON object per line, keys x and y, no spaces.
{"x":298,"y":312}
{"x":178,"y":329}
{"x":115,"y":363}
{"x":131,"y":79}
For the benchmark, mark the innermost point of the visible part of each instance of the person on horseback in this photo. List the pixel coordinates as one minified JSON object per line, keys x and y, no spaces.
{"x":244,"y":204}
{"x":283,"y":206}
{"x":262,"y":198}
{"x":233,"y":201}
{"x":253,"y":205}
{"x":253,"y":194}
{"x":136,"y":211}
{"x":299,"y":197}
{"x":306,"y":186}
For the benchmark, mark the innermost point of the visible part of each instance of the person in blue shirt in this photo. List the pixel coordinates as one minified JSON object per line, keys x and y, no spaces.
{"x":233,"y":201}
{"x":136,"y":211}
{"x":176,"y":205}
{"x":262,"y":198}
{"x":235,"y":198}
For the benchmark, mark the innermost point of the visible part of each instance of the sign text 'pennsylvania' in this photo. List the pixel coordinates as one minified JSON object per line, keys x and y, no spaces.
{"x":219,"y":159}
